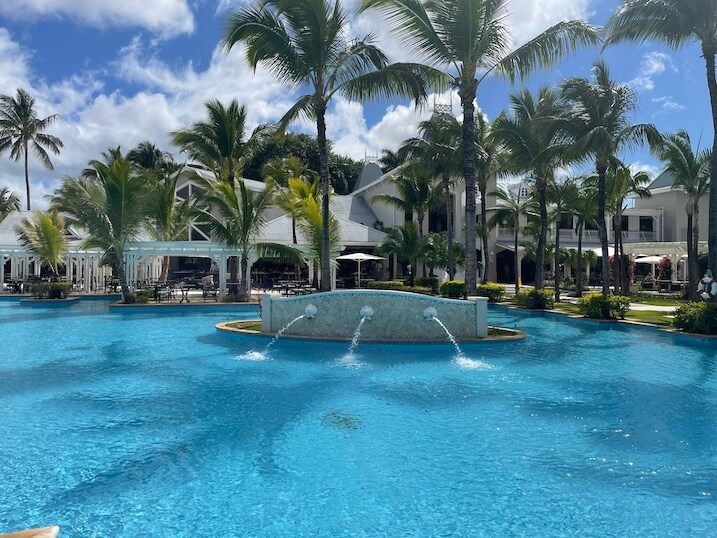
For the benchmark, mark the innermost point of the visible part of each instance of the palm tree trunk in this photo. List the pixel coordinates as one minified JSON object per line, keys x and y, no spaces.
{"x":516,"y":261}
{"x":692,"y":275}
{"x":122,"y":277}
{"x":449,"y":230}
{"x":624,"y":265}
{"x":244,"y":293}
{"x":602,"y":232}
{"x":320,"y":109}
{"x":709,"y":56}
{"x":420,"y":217}
{"x":293,"y":230}
{"x":27,"y":179}
{"x":556,"y":272}
{"x":484,"y":226}
{"x":579,"y":263}
{"x":467,"y":92}
{"x":616,"y":262}
{"x":542,"y":238}
{"x":165,"y":269}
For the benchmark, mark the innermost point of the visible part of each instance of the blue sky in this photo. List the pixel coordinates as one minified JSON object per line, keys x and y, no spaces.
{"x":122,"y":72}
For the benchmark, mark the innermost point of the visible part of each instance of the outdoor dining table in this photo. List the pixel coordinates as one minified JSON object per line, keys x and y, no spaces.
{"x":184,"y":290}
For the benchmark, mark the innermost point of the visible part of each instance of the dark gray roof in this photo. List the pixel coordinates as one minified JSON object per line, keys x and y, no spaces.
{"x":665,"y":179}
{"x":353,"y":208}
{"x":369,"y":173}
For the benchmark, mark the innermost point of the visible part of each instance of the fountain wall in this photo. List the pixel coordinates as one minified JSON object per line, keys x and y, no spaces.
{"x":396,"y":316}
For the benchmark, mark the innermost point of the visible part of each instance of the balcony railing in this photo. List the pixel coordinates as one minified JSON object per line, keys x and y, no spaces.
{"x":505,"y":233}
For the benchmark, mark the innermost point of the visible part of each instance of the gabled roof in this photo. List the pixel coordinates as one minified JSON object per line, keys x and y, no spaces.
{"x":251,"y":184}
{"x":369,"y":174}
{"x":351,"y":233}
{"x":353,"y":208}
{"x":665,"y":179}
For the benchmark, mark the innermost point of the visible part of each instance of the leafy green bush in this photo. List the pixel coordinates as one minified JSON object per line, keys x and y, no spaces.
{"x":492,"y":290}
{"x":428,"y":282}
{"x":396,"y":285}
{"x":535,"y":299}
{"x":699,"y":317}
{"x":453,"y":288}
{"x":594,"y":305}
{"x":50,"y":290}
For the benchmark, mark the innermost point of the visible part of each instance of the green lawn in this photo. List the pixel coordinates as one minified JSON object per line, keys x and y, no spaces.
{"x":656,"y":301}
{"x":662,"y":319}
{"x":249,"y":325}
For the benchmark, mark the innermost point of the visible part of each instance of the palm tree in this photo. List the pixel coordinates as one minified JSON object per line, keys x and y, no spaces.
{"x":597,"y":125}
{"x":298,"y":183}
{"x":691,"y":174}
{"x":462,"y":37}
{"x":508,"y":211}
{"x":621,"y":183}
{"x":305,"y":44}
{"x":406,"y":243}
{"x":438,"y":148}
{"x":415,"y":192}
{"x":111,"y":206}
{"x":220,"y":144}
{"x":167,"y":219}
{"x":559,"y":194}
{"x":676,"y":23}
{"x":390,"y":160}
{"x":436,"y":254}
{"x":236,"y":216}
{"x":8,"y":203}
{"x":310,"y":223}
{"x":45,"y":236}
{"x":21,"y":131}
{"x":528,"y":136}
{"x":147,"y":156}
{"x":584,"y":207}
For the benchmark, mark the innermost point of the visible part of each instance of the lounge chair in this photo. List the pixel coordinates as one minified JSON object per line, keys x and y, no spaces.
{"x":209,"y":289}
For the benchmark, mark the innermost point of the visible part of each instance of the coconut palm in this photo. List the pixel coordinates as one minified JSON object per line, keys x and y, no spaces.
{"x":462,"y":37}
{"x":147,"y":156}
{"x":529,"y":137}
{"x":406,"y":243}
{"x":436,"y":254}
{"x":310,"y":223}
{"x":111,"y":206}
{"x":296,"y":182}
{"x":559,"y":194}
{"x":236,"y":216}
{"x":508,"y":211}
{"x":438,"y":149}
{"x":220,"y":143}
{"x":167,"y":219}
{"x":621,"y":183}
{"x":21,"y":131}
{"x":415,"y":192}
{"x":305,"y":44}
{"x":597,"y":124}
{"x":583,"y":207}
{"x":677,"y":23}
{"x":45,"y":235}
{"x":8,"y":203}
{"x":691,"y":174}
{"x":390,"y":160}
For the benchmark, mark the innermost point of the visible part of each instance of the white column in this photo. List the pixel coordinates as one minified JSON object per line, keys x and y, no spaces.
{"x":333,"y":276}
{"x":310,"y":263}
{"x":86,"y":273}
{"x":222,"y":262}
{"x":2,"y":272}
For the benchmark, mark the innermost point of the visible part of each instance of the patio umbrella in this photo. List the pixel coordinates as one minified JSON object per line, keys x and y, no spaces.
{"x":359,"y":257}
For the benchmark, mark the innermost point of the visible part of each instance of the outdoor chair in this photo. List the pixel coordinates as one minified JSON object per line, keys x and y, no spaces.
{"x":209,"y":289}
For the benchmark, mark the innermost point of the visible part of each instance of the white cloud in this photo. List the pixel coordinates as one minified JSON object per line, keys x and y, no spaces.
{"x":667,"y":104}
{"x":166,"y":18}
{"x":652,"y":64}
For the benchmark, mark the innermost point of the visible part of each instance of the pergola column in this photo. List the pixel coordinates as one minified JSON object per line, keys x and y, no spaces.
{"x":86,"y":273}
{"x":222,"y":262}
{"x":2,"y":271}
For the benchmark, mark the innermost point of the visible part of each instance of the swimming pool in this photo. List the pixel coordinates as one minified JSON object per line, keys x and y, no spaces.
{"x":149,"y":422}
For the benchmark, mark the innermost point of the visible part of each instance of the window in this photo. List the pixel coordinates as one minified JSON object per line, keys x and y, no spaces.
{"x":624,"y":223}
{"x":566,"y":221}
{"x":646,"y":224}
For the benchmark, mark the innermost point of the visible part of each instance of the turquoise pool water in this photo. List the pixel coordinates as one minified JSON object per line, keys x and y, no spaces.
{"x":152,"y":423}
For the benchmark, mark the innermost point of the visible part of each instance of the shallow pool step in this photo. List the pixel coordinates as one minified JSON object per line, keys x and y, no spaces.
{"x":44,"y":532}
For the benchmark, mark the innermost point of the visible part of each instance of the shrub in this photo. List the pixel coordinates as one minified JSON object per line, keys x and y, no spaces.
{"x":698,"y":317}
{"x":396,"y":285}
{"x":492,"y":290}
{"x":428,"y":282}
{"x":50,"y":290}
{"x":594,"y":305}
{"x":453,"y":288}
{"x":535,"y":299}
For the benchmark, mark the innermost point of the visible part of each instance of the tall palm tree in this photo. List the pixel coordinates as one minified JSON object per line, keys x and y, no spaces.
{"x":167,"y":219}
{"x":310,"y":223}
{"x":463,"y":37}
{"x":598,"y":126}
{"x":406,"y":243}
{"x":45,"y":236}
{"x":583,"y":207}
{"x":415,"y":192}
{"x":691,"y":174}
{"x":8,"y":203}
{"x":390,"y":159}
{"x":305,"y":44}
{"x":236,"y":216}
{"x":438,"y":148}
{"x":677,"y":23}
{"x":621,"y":183}
{"x":147,"y":156}
{"x":559,"y":194}
{"x":291,"y":199}
{"x":529,"y":136}
{"x":21,"y":131}
{"x":508,"y":211}
{"x":111,"y":206}
{"x":221,"y":143}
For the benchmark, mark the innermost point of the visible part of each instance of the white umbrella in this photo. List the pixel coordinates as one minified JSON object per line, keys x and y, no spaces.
{"x":652,"y":260}
{"x":359,"y":257}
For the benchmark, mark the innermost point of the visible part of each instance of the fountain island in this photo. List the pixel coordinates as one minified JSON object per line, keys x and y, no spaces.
{"x":377,"y":315}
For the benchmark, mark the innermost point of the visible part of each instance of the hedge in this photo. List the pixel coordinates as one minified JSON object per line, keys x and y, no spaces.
{"x":453,"y":288}
{"x":535,"y":299}
{"x":492,"y":290}
{"x":698,"y":317}
{"x":50,"y":290}
{"x":397,"y":286}
{"x":427,"y":282}
{"x":594,"y":305}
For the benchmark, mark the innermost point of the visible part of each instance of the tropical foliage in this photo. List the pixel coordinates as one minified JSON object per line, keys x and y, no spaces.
{"x":8,"y":203}
{"x":44,"y":235}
